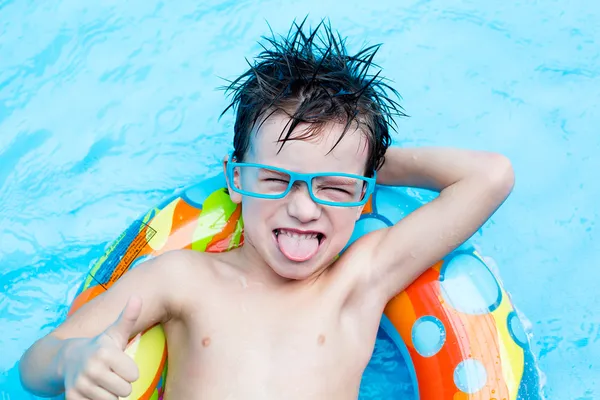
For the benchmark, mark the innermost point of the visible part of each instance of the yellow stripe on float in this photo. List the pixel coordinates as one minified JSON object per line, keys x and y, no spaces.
{"x":147,"y":352}
{"x":161,"y":224}
{"x":511,"y":354}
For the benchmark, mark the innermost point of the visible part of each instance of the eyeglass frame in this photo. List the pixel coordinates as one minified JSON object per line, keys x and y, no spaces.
{"x":300,"y":177}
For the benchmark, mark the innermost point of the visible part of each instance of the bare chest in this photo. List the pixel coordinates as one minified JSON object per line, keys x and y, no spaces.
{"x":275,"y":330}
{"x":283,"y":344}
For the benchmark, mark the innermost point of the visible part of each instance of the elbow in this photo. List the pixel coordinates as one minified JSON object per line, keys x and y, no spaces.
{"x":26,"y":380}
{"x":38,"y":370}
{"x":500,"y":174}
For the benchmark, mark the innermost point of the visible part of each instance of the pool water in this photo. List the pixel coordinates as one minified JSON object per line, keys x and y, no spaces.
{"x":106,"y":109}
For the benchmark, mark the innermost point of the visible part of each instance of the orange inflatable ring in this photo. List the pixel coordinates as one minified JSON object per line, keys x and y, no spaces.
{"x":455,"y":325}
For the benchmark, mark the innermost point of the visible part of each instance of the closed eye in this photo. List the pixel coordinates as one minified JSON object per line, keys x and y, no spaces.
{"x":275,"y":180}
{"x":337,"y":190}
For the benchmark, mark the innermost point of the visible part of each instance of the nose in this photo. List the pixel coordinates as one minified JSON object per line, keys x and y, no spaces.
{"x":301,"y":206}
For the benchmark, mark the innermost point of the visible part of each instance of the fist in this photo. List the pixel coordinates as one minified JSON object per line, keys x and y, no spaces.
{"x":98,"y":368}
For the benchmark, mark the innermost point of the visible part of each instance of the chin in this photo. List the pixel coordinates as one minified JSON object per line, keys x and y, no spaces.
{"x":296,"y":271}
{"x":294,"y":275}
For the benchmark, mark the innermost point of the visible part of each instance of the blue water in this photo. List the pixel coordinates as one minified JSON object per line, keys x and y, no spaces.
{"x":105,"y":109}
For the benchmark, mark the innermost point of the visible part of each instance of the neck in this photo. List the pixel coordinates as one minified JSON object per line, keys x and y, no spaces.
{"x":258,"y":271}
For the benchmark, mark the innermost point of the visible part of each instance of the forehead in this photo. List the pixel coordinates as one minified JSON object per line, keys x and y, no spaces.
{"x":313,"y":154}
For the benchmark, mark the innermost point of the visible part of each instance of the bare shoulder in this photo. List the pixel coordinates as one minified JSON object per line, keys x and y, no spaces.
{"x":194,"y":279}
{"x":181,"y":262}
{"x":182,"y":270}
{"x":174,"y":279}
{"x":172,"y":267}
{"x":162,"y":283}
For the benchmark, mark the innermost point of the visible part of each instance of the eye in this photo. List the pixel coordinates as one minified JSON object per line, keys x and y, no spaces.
{"x":277,"y":180}
{"x":339,"y":190}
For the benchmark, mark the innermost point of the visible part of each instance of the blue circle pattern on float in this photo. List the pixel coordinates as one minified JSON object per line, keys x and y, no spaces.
{"x":194,"y":196}
{"x":470,"y":376}
{"x":367,"y":223}
{"x":469,"y":286}
{"x":516,"y":330}
{"x":428,"y":335}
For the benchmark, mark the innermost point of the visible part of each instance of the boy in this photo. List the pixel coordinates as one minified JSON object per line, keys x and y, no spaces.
{"x":278,"y":318}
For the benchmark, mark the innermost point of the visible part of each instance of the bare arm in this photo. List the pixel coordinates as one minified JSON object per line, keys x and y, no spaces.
{"x":472,"y":185}
{"x":41,"y":367}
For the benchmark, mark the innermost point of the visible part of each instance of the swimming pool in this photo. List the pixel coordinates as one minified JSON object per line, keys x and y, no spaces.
{"x":106,"y":109}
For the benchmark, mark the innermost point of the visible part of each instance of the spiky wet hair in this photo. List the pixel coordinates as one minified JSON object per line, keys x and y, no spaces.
{"x":312,"y":79}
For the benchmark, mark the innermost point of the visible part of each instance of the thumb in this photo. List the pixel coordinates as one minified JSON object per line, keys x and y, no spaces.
{"x":121,"y":330}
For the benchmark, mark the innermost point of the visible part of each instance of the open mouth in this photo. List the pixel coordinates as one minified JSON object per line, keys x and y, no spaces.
{"x":298,"y":245}
{"x":297,"y":234}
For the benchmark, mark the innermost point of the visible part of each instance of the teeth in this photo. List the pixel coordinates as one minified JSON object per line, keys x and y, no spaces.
{"x":296,"y":235}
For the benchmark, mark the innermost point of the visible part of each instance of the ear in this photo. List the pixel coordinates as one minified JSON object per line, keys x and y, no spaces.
{"x":234,"y":196}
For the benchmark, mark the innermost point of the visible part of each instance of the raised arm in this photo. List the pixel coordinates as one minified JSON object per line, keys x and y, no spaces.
{"x":85,"y":352}
{"x":472,"y":185}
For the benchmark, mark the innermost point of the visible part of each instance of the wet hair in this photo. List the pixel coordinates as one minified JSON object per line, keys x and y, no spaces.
{"x":312,"y":79}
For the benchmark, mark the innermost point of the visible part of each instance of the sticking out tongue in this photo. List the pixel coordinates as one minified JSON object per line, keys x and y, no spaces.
{"x":297,"y":247}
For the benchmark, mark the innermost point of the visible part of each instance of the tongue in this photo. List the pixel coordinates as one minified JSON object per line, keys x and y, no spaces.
{"x":298,"y":248}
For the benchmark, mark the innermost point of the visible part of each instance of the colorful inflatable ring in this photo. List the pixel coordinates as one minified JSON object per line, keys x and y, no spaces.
{"x":455,"y":325}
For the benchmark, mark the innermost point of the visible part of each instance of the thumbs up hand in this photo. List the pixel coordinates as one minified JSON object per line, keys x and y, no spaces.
{"x":98,"y":368}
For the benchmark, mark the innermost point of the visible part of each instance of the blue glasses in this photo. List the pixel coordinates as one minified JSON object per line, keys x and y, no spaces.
{"x":327,"y":188}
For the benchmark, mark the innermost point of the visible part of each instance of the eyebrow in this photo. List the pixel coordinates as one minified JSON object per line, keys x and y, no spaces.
{"x":268,"y":171}
{"x":339,"y":180}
